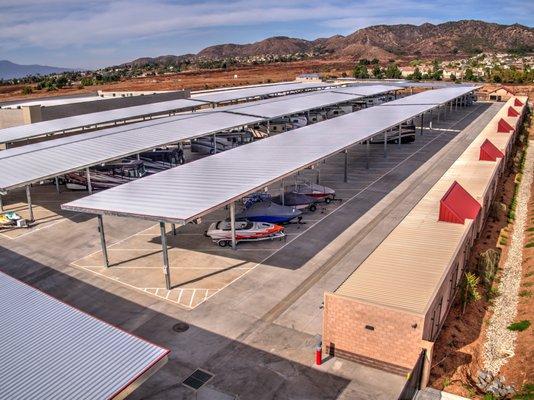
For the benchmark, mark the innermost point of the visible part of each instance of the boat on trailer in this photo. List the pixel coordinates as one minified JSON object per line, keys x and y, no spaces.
{"x":245,"y":231}
{"x":316,"y":191}
{"x":268,"y":211}
{"x":297,"y":200}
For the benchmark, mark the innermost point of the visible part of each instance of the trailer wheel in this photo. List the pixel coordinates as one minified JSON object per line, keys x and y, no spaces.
{"x":223,"y":243}
{"x":313,"y":207}
{"x":328,"y":200}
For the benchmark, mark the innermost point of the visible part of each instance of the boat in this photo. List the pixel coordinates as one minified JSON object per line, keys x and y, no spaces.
{"x":171,"y":155}
{"x":297,"y":200}
{"x":9,"y":218}
{"x":126,"y":168}
{"x":316,"y":191}
{"x":267,"y":211}
{"x":220,"y":232}
{"x":78,"y":181}
{"x":407,"y":135}
{"x":298,"y":121}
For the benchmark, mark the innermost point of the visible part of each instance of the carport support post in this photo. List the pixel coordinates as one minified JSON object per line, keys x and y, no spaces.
{"x":232,"y":223}
{"x":386,"y":144}
{"x":282,"y":194}
{"x":29,"y":200}
{"x":89,"y":186}
{"x":103,"y":240}
{"x":56,"y":180}
{"x":1,"y":203}
{"x":400,"y":135}
{"x":165,"y":255}
{"x":422,"y":122}
{"x":346,"y":177}
{"x":214,"y":143}
{"x":367,"y":154}
{"x":173,"y":226}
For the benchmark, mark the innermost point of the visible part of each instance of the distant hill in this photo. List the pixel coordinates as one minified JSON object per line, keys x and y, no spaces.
{"x":9,"y":70}
{"x":383,"y":42}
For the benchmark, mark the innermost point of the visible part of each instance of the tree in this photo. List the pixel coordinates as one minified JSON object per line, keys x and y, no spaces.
{"x":360,"y":72}
{"x":27,"y":90}
{"x":375,"y":61}
{"x":469,"y":76}
{"x":377,"y":72}
{"x":86,"y":81}
{"x":417,"y":75}
{"x":453,"y":77}
{"x":469,"y":290}
{"x":393,"y":72}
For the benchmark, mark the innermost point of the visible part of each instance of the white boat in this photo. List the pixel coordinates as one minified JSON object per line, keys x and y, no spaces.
{"x":315,"y":190}
{"x":220,"y":232}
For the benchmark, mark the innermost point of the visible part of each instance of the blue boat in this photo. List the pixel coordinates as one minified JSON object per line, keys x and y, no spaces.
{"x":267,"y":211}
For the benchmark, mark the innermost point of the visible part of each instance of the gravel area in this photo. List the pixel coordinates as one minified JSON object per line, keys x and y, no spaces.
{"x":500,"y":342}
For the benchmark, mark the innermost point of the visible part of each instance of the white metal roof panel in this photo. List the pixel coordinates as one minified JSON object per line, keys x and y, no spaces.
{"x":53,"y":102}
{"x":26,"y":164}
{"x":238,"y":94}
{"x":187,"y":192}
{"x":22,"y":132}
{"x":50,"y":350}
{"x":366,"y":90}
{"x":433,"y":97}
{"x":294,"y":104}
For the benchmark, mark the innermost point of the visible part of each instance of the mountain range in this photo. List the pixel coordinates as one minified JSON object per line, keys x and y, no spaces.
{"x":10,"y":70}
{"x":384,"y":42}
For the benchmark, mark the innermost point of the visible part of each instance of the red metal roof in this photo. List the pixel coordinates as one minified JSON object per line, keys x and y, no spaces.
{"x":489,"y":152}
{"x":517,"y":103}
{"x":504,"y":126}
{"x":512,"y":112}
{"x":457,"y":205}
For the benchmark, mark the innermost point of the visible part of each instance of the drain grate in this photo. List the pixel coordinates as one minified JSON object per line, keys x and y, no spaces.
{"x":180,"y":327}
{"x":197,"y":379}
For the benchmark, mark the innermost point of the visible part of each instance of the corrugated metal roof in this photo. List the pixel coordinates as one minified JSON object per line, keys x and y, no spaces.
{"x":17,"y":133}
{"x":294,"y":104}
{"x":405,"y":270}
{"x":31,"y":163}
{"x":46,"y":159}
{"x":252,"y":92}
{"x":185,"y":193}
{"x":366,"y":90}
{"x":53,"y":102}
{"x":50,"y":350}
{"x":433,"y":97}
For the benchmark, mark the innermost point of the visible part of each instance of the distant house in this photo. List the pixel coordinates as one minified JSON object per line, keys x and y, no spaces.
{"x":308,"y":78}
{"x":502,"y":93}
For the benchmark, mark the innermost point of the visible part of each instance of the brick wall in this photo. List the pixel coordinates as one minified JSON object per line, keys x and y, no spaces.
{"x":394,"y":344}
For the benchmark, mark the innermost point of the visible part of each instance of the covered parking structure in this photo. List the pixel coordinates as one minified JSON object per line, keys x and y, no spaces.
{"x":94,"y":120}
{"x":258,"y":92}
{"x":185,"y":194}
{"x":50,"y":159}
{"x":51,"y":350}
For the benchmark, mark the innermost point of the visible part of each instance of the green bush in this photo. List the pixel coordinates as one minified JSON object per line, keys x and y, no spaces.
{"x":488,"y":262}
{"x":519,"y":326}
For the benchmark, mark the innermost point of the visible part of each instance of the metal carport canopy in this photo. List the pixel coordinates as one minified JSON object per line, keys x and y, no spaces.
{"x":28,"y":131}
{"x":258,"y":91}
{"x":367,"y":90}
{"x":434,"y":97}
{"x":183,"y":194}
{"x":299,"y":103}
{"x":27,"y":164}
{"x":51,"y":350}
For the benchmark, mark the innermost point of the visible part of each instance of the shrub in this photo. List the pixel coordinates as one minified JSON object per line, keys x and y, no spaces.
{"x":27,"y":90}
{"x":519,"y":326}
{"x":525,"y":293}
{"x":488,"y":262}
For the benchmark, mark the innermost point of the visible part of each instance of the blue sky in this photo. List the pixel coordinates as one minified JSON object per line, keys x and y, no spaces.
{"x":95,"y":33}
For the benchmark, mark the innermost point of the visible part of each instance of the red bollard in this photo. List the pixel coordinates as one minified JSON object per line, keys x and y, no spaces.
{"x":318,"y":355}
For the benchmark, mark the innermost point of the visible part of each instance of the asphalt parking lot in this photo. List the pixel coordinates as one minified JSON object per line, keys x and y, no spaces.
{"x":254,"y":312}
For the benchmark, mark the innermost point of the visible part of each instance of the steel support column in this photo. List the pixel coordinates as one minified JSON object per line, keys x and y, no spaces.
{"x":1,"y":203}
{"x":29,"y":201}
{"x":400,"y":135}
{"x":318,"y":177}
{"x":385,"y":144}
{"x":103,"y":240}
{"x":232,"y":224}
{"x":214,"y":143}
{"x":89,"y":186}
{"x":282,"y":194}
{"x":367,"y":154}
{"x":422,"y":122}
{"x":173,"y":226}
{"x":56,"y":181}
{"x":346,"y":175}
{"x":164,"y":249}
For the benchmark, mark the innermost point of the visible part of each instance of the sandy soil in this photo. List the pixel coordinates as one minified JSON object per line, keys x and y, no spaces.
{"x":457,"y":353}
